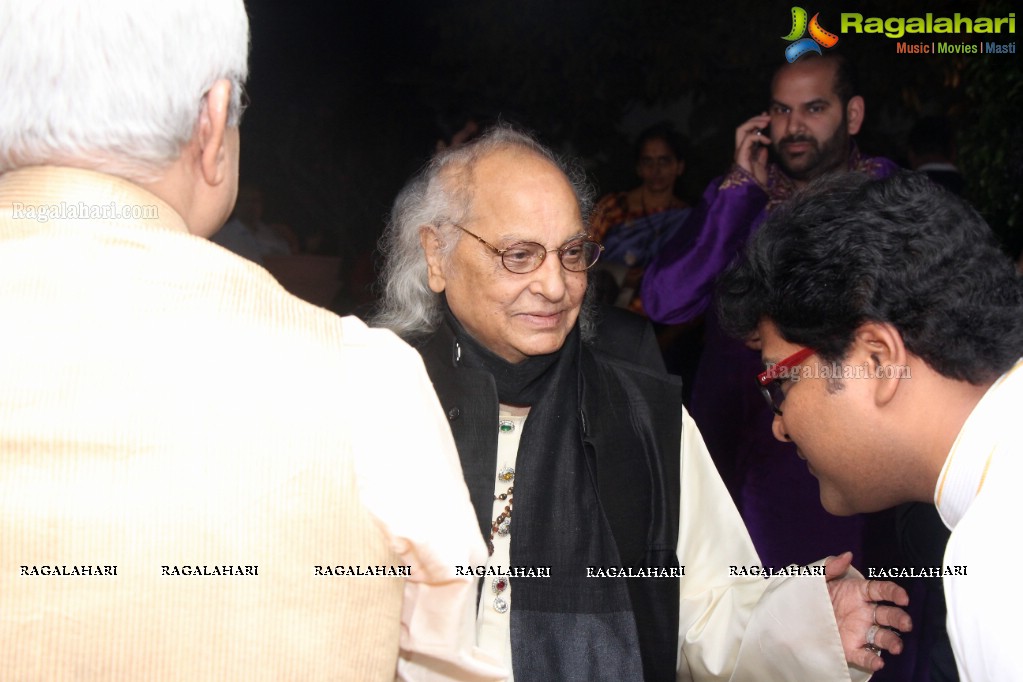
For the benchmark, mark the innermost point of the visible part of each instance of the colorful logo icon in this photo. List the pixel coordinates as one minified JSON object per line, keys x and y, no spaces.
{"x":818,"y":36}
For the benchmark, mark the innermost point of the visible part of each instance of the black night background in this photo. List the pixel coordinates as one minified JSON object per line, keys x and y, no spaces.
{"x":349,"y":98}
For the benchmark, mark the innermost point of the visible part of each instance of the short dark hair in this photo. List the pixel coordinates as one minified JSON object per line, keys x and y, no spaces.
{"x":901,"y":250}
{"x":661,"y":131}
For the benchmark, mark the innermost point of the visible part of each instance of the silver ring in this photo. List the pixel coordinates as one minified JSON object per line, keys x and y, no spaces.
{"x":876,"y":650}
{"x":874,"y":617}
{"x":871,"y":633}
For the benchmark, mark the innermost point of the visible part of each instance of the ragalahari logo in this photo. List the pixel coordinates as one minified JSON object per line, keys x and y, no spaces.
{"x":818,"y":36}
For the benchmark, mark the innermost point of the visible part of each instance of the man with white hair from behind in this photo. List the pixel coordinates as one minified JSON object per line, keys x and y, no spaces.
{"x":166,"y":512}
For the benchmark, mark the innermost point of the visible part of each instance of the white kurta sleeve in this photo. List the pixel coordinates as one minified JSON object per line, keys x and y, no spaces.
{"x":743,"y":627}
{"x":418,"y":497}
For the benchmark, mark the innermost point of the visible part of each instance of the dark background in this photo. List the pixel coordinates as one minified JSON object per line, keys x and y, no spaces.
{"x":349,"y":98}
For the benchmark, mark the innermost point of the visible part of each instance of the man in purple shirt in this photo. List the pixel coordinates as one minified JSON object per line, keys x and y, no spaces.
{"x":806,"y":133}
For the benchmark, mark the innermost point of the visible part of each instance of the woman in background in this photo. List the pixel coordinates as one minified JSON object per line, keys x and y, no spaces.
{"x":632,"y":225}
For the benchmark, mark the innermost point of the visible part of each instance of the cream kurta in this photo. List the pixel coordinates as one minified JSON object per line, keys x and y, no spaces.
{"x":164,"y":403}
{"x":790,"y":631}
{"x":741,"y":628}
{"x":744,"y":628}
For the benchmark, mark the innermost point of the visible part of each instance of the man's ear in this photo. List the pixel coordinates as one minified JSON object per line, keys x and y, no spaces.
{"x":212,"y":132}
{"x":878,"y":347}
{"x":435,"y":260}
{"x":855,"y":110}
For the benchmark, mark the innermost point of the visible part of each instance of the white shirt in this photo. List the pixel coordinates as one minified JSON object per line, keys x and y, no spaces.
{"x":493,"y":620}
{"x":978,"y":497}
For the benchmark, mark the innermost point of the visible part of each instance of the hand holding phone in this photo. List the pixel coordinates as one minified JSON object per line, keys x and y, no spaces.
{"x":751,"y":142}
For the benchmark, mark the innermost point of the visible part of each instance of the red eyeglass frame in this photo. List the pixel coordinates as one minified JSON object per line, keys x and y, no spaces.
{"x":771,"y":374}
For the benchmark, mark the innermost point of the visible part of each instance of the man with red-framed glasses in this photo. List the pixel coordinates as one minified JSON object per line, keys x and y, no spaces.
{"x":892,"y":328}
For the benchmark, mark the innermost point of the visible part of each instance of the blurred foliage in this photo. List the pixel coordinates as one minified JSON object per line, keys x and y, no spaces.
{"x":991,"y":145}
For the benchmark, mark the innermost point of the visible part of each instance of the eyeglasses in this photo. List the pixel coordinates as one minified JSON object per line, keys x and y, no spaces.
{"x":770,"y":380}
{"x":576,"y":255}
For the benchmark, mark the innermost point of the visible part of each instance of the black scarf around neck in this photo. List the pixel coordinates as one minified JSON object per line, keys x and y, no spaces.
{"x":521,"y":383}
{"x":568,"y":626}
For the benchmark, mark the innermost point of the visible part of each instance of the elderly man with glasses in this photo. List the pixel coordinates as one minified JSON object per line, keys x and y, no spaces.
{"x":615,"y":550}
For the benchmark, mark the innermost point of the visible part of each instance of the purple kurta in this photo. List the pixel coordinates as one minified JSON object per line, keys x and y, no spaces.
{"x":778,"y":497}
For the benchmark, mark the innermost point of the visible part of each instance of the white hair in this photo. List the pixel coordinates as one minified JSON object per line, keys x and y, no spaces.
{"x":113,"y":85}
{"x":438,"y":196}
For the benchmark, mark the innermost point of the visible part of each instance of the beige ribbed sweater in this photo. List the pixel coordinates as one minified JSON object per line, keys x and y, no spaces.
{"x":165,"y":404}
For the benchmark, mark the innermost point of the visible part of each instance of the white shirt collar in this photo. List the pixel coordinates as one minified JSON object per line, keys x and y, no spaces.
{"x":962,"y":477}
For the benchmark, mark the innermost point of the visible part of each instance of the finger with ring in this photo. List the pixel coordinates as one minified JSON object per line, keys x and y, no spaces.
{"x":871,"y":633}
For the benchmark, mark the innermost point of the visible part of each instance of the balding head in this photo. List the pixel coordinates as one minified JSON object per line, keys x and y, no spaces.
{"x":834,"y":69}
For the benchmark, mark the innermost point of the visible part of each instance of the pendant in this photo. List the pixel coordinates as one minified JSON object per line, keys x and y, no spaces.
{"x":506,"y":425}
{"x":500,"y":605}
{"x":506,"y":473}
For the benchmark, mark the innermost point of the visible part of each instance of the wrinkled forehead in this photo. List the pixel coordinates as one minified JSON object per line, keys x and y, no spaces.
{"x":516,"y":191}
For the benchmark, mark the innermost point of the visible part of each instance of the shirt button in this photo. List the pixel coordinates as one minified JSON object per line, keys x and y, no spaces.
{"x":454,"y":413}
